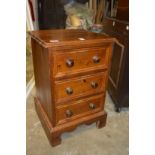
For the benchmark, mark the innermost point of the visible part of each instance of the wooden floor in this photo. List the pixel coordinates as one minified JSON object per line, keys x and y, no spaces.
{"x":85,"y":140}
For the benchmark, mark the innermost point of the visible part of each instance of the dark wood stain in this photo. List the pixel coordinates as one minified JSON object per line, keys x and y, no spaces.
{"x":118,"y":86}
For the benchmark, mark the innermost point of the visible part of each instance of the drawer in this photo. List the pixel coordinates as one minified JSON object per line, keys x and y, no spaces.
{"x":111,"y":26}
{"x":74,"y":110}
{"x":80,"y":86}
{"x":72,"y":62}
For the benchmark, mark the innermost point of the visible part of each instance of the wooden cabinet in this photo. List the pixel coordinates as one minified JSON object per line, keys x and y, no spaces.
{"x":118,"y":85}
{"x":71,"y":79}
{"x":123,"y":10}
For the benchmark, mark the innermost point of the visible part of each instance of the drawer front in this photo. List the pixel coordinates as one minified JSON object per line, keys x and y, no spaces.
{"x":78,"y":87}
{"x":72,"y":62}
{"x":112,"y":27}
{"x":79,"y":108}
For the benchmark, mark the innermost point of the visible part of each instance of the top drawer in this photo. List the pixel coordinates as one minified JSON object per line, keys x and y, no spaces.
{"x":78,"y":61}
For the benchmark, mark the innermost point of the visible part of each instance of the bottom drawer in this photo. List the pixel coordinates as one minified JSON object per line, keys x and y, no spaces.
{"x":79,"y":108}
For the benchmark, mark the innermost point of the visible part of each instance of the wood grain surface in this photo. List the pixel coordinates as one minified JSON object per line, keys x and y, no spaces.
{"x":71,"y":79}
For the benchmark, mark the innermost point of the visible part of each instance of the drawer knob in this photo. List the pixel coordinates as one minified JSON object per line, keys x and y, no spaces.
{"x":69,"y":62}
{"x":69,"y":91}
{"x":69,"y":113}
{"x":92,"y":106}
{"x":94,"y":85}
{"x":96,"y":59}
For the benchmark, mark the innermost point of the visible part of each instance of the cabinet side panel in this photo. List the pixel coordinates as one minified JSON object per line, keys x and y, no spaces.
{"x":109,"y":58}
{"x":42,"y":76}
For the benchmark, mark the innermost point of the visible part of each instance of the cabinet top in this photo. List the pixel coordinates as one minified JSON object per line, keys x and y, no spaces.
{"x":68,"y":37}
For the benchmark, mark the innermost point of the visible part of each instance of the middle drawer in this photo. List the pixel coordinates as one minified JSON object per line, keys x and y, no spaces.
{"x":79,"y":87}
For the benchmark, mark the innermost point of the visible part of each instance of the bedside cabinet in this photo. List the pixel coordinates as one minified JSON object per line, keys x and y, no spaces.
{"x":71,"y":72}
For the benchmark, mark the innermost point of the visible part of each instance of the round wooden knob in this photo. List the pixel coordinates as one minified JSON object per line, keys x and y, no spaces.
{"x":69,"y":91}
{"x":96,"y":59}
{"x":94,"y":85}
{"x":69,"y":62}
{"x":69,"y":113}
{"x":92,"y":106}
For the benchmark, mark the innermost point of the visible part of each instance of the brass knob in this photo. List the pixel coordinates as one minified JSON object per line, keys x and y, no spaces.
{"x":94,"y":85}
{"x":96,"y":59}
{"x":69,"y":113}
{"x":92,"y":106}
{"x":70,"y":62}
{"x":69,"y":90}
